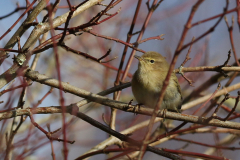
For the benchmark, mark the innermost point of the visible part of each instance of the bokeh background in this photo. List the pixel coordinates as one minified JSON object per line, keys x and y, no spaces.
{"x":169,"y":19}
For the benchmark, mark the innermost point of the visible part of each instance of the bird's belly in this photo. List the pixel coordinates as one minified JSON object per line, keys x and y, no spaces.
{"x":145,"y":96}
{"x":148,"y":95}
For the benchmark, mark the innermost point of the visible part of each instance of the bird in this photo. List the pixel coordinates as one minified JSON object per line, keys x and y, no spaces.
{"x":147,"y":83}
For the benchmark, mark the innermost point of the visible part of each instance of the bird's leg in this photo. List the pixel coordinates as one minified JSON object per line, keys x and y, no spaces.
{"x":164,"y":113}
{"x":137,"y":107}
{"x":129,"y":104}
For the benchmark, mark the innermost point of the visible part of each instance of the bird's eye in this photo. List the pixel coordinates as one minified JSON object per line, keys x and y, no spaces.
{"x":152,"y":61}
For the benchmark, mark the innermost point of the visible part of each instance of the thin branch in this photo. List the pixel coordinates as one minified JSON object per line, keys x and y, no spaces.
{"x":150,"y":38}
{"x":230,"y":30}
{"x":131,"y":45}
{"x":207,"y":145}
{"x":9,"y":30}
{"x":226,"y":97}
{"x":10,"y":44}
{"x":185,"y":61}
{"x":235,"y":106}
{"x":48,"y":134}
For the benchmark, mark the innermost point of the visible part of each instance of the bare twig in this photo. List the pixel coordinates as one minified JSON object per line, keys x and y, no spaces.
{"x":48,"y":134}
{"x":235,"y":106}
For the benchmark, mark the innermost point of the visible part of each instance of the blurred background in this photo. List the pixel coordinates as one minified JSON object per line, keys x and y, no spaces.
{"x":169,"y":19}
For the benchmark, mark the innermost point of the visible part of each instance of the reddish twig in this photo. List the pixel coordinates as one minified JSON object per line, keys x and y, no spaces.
{"x":42,"y":99}
{"x":25,"y":84}
{"x":48,"y":134}
{"x":150,"y":38}
{"x":225,"y":64}
{"x":184,"y":62}
{"x":65,"y":149}
{"x":9,"y":30}
{"x":229,"y":110}
{"x":53,"y":153}
{"x":187,"y":56}
{"x":194,"y":154}
{"x":105,"y":55}
{"x":95,"y":20}
{"x":129,"y":36}
{"x":86,"y":55}
{"x":131,"y":45}
{"x":204,"y":104}
{"x":103,"y":12}
{"x":105,"y":151}
{"x":117,"y":81}
{"x":49,"y":41}
{"x":230,"y":30}
{"x":207,"y":145}
{"x":214,"y":115}
{"x":156,"y":5}
{"x":190,"y":82}
{"x":121,"y":136}
{"x":235,"y":106}
{"x":204,"y":34}
{"x":177,"y":131}
{"x":154,"y":114}
{"x":219,"y":15}
{"x":16,"y":10}
{"x":166,"y":81}
{"x":238,"y":12}
{"x":70,"y":6}
{"x":72,"y":9}
{"x":54,"y":9}
{"x":19,"y":44}
{"x":108,"y":17}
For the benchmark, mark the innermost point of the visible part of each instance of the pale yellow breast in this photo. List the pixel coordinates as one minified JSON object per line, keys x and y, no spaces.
{"x":147,"y":86}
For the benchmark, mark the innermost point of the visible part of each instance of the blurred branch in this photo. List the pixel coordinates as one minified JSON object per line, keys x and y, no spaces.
{"x":207,"y":68}
{"x":48,"y":134}
{"x":178,"y":50}
{"x":238,"y":13}
{"x":185,"y":61}
{"x":35,"y":76}
{"x":230,"y":30}
{"x":131,"y":45}
{"x":132,"y":109}
{"x":40,"y":29}
{"x":234,"y":108}
{"x":23,"y":28}
{"x":219,"y":15}
{"x":97,"y":77}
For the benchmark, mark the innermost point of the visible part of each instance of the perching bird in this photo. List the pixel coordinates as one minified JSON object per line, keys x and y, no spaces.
{"x":148,"y":80}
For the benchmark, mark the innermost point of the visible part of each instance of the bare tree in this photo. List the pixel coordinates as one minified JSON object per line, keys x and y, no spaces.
{"x":76,"y":58}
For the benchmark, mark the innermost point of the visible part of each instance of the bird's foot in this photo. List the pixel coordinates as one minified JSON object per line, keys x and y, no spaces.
{"x":129,"y":105}
{"x":164,"y":114}
{"x":137,"y":108}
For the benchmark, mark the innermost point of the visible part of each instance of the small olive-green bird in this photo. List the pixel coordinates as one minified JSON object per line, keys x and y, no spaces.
{"x":148,"y":80}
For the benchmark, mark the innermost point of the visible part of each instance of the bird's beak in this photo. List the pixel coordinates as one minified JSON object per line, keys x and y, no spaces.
{"x":138,"y":57}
